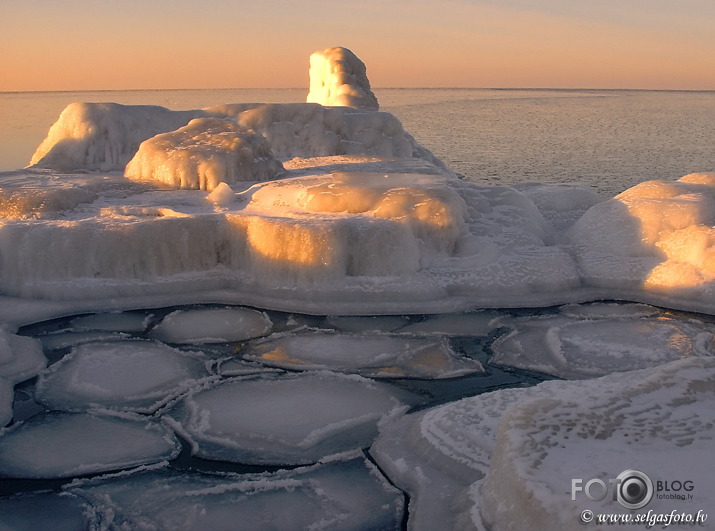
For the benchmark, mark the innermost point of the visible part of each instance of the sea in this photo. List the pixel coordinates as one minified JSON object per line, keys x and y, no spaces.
{"x":609,"y":140}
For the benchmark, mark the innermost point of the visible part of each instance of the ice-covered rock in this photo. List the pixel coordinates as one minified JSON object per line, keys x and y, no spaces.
{"x":104,"y":136}
{"x":657,"y":236}
{"x":6,"y":398}
{"x":128,"y":375}
{"x":81,"y":443}
{"x":202,"y":154}
{"x":290,"y":420}
{"x":311,"y":130}
{"x":212,"y":325}
{"x":372,"y":355}
{"x":339,"y":77}
{"x":21,"y":357}
{"x":574,"y":347}
{"x":43,"y":510}
{"x":350,"y":224}
{"x":343,"y":494}
{"x":508,"y":457}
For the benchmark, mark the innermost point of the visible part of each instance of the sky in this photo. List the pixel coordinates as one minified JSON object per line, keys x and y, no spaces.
{"x":163,"y":44}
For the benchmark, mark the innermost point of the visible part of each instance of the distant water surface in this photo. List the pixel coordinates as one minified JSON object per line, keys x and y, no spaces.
{"x":607,"y":139}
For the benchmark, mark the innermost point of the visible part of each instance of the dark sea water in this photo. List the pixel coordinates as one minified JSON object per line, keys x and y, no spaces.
{"x":607,"y":139}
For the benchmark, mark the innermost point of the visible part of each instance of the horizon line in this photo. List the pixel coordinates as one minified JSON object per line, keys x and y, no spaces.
{"x":306,"y":89}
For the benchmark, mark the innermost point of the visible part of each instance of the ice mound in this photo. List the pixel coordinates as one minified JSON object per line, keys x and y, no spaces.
{"x":372,"y":355}
{"x":529,"y":443}
{"x":577,"y":347}
{"x":339,"y":77}
{"x":311,"y":130}
{"x":349,"y":224}
{"x":104,"y":136}
{"x":212,"y":325}
{"x":657,"y":236}
{"x":202,"y":154}
{"x":47,"y":510}
{"x":138,"y":376}
{"x":290,"y":420}
{"x":81,"y":444}
{"x":21,"y":358}
{"x":345,"y":494}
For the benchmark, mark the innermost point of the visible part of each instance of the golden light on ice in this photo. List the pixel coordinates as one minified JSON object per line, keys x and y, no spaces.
{"x":677,"y":223}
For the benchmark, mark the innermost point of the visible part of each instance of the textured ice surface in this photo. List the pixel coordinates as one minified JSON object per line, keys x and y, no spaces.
{"x":338,"y":77}
{"x":21,"y":358}
{"x":373,"y":355}
{"x":465,"y":324}
{"x":39,"y":511}
{"x":202,"y":154}
{"x":6,"y":398}
{"x":297,"y":419}
{"x":103,"y":136}
{"x":348,"y":494}
{"x":132,"y":375}
{"x":57,"y":445}
{"x":664,"y":426}
{"x":213,"y":325}
{"x":530,"y":443}
{"x":593,"y":345}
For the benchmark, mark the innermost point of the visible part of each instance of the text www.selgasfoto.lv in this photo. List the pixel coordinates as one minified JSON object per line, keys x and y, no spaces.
{"x":649,"y":519}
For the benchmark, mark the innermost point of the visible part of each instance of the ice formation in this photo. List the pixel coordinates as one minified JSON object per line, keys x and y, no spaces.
{"x":263,"y":420}
{"x":21,"y":358}
{"x":311,"y":130}
{"x":658,"y":236}
{"x":373,"y":355}
{"x":570,"y":347}
{"x":202,"y":154}
{"x":507,"y":457}
{"x":212,"y":325}
{"x":339,"y":77}
{"x":342,"y":494}
{"x":82,"y":443}
{"x":103,"y":136}
{"x":128,"y":375}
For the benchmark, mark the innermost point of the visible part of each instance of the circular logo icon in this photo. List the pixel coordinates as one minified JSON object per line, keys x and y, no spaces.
{"x":635,"y":489}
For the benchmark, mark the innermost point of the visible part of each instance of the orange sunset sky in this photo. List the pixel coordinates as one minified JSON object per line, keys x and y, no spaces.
{"x":133,"y":44}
